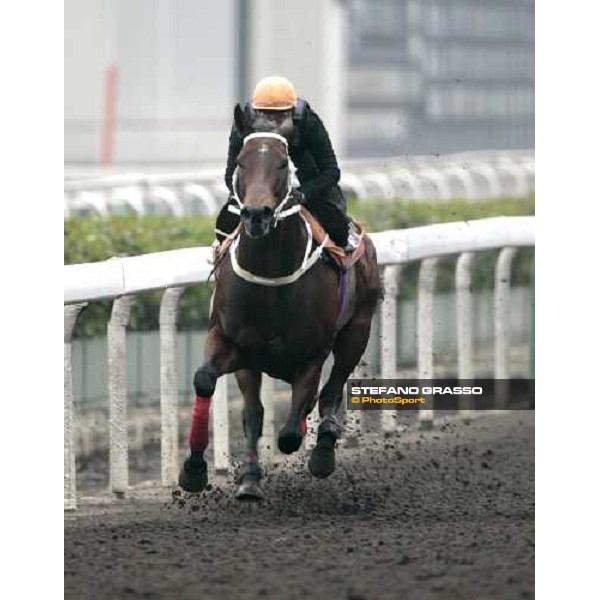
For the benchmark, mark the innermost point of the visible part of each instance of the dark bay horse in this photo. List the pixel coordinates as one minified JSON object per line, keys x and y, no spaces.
{"x":275,"y":311}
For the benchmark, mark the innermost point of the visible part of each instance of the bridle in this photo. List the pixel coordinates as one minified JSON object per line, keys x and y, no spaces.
{"x":279,"y":214}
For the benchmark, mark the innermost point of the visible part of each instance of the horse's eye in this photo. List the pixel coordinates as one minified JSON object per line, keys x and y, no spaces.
{"x":282,"y":165}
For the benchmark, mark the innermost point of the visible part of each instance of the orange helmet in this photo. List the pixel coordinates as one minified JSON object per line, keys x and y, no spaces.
{"x":274,"y":93}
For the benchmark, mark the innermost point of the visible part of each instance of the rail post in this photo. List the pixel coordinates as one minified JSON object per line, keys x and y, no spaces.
{"x":117,"y":391}
{"x":389,"y":353}
{"x":70,"y":488}
{"x":220,"y":424}
{"x":464,"y":327}
{"x":169,"y":436}
{"x":425,"y":326}
{"x":267,"y":441}
{"x":502,"y":325}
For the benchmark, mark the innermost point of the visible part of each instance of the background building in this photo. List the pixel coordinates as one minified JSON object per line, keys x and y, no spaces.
{"x":436,"y":76}
{"x":155,"y":81}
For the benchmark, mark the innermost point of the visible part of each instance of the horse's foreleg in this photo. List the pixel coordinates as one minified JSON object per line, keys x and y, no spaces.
{"x":304,"y":388}
{"x":249,"y":383}
{"x":348,"y":349}
{"x":220,"y":357}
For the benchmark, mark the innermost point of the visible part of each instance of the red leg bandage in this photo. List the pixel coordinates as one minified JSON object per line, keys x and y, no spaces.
{"x":199,"y":428}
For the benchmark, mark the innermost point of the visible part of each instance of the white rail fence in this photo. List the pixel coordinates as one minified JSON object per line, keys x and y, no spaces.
{"x":473,"y":176}
{"x":124,"y":278}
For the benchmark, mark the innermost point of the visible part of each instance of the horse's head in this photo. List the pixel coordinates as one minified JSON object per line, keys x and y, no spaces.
{"x":263,"y":175}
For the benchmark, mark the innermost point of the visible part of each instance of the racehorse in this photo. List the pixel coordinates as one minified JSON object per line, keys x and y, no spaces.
{"x":276,"y":310}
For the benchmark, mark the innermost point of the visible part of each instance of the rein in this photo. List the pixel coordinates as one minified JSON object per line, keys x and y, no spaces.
{"x":279,"y":214}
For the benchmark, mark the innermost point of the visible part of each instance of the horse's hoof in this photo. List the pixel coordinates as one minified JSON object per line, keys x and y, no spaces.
{"x":249,"y":490}
{"x":193,"y":477}
{"x":322,"y":461}
{"x":289,"y":441}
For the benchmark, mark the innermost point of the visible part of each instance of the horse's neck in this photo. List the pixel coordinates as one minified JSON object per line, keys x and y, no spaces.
{"x":277,"y":254}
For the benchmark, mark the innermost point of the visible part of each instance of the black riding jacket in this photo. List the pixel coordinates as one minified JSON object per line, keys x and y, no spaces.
{"x":310,"y":150}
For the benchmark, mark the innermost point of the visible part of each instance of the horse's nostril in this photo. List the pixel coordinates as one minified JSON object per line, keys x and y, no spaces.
{"x":249,"y":212}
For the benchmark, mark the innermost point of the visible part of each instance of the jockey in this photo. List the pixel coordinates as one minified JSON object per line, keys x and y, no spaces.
{"x":310,"y":149}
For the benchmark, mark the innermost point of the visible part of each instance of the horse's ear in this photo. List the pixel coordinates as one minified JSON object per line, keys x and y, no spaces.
{"x":240,"y":121}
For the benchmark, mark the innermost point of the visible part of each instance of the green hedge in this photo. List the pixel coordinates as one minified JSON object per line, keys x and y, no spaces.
{"x":93,"y":239}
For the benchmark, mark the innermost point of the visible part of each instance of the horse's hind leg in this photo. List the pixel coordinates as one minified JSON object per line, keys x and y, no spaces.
{"x":220,"y":357}
{"x":348,"y":349}
{"x":249,"y":384}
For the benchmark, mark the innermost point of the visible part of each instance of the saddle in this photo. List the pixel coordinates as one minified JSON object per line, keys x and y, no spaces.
{"x":334,"y":255}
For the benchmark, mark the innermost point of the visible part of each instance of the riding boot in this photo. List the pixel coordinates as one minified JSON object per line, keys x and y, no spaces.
{"x":333,"y":221}
{"x":353,"y":237}
{"x":331,"y":212}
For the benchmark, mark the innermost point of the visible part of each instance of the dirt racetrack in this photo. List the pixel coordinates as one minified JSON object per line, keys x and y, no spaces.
{"x":443,"y":514}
